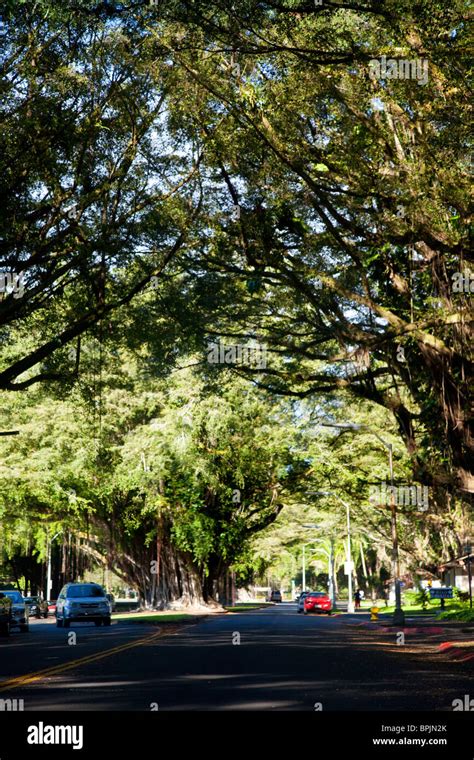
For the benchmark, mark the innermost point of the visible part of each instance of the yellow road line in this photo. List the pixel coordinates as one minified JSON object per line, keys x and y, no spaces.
{"x":13,"y":683}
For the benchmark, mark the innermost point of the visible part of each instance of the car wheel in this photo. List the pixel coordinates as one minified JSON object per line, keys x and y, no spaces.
{"x":329,"y":612}
{"x":66,"y":623}
{"x":59,"y":623}
{"x":107,"y":621}
{"x":45,"y":615}
{"x":24,"y":627}
{"x":98,"y":622}
{"x":305,"y":612}
{"x":4,"y":629}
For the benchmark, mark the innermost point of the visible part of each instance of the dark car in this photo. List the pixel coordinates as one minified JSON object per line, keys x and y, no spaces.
{"x":5,"y":614}
{"x":37,"y":607}
{"x":317,"y":601}
{"x":275,"y":596}
{"x":19,"y":611}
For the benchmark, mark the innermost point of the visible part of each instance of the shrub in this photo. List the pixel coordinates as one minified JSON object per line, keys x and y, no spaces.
{"x":463,"y":596}
{"x":464,"y":614}
{"x":422,"y":597}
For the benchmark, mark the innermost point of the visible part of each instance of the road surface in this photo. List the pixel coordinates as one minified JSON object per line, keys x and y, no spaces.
{"x":268,"y":659}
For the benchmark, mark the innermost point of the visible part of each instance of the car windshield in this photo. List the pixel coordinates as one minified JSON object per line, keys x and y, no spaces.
{"x":79,"y":592}
{"x":318,"y":593}
{"x":15,"y":596}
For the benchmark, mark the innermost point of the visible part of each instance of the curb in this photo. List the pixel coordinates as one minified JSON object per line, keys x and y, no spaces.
{"x":455,"y":652}
{"x":167,"y":624}
{"x":429,"y":630}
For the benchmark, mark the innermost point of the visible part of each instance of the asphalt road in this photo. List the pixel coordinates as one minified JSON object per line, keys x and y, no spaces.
{"x":284,"y":661}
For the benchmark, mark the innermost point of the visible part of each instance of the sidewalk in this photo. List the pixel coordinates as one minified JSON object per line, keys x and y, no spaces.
{"x":428,"y":630}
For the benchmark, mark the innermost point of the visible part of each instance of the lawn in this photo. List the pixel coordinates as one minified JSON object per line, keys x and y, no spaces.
{"x":182,"y":617}
{"x":158,"y":617}
{"x":453,"y":610}
{"x":244,"y":606}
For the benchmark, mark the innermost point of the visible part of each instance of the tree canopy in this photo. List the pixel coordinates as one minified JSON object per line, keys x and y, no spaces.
{"x":180,"y":173}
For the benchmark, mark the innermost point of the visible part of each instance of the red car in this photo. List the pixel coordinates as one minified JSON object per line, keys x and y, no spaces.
{"x":317,"y":601}
{"x":51,"y":607}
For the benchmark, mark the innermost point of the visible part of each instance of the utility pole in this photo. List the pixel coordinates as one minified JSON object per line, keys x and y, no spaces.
{"x":350,"y":603}
{"x":332,"y":584}
{"x":331,"y":561}
{"x":48,"y":581}
{"x":467,"y":550}
{"x":398,"y":615}
{"x":304,"y":570}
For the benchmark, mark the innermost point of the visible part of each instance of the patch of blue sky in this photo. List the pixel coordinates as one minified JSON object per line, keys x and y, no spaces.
{"x":377,"y":104}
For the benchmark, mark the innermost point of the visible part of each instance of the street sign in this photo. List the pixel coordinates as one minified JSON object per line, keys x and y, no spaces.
{"x":441,"y":593}
{"x":348,"y":568}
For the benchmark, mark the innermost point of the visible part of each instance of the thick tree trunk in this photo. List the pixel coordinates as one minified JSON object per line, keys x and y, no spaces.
{"x":173,"y":581}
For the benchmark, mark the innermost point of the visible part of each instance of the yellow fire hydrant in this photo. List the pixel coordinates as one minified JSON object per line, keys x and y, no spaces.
{"x":374,"y":613}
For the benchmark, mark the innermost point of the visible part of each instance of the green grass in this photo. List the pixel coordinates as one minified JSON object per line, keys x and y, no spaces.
{"x":413,"y":609}
{"x":453,"y":609}
{"x":410,"y":606}
{"x":243,"y":606}
{"x":172,"y":617}
{"x":417,"y":609}
{"x":181,"y":617}
{"x":464,"y":614}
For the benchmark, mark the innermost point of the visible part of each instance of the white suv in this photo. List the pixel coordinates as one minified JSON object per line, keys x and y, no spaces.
{"x":80,"y":602}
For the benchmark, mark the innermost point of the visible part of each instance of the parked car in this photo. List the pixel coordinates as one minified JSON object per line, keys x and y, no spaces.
{"x":301,"y":598}
{"x":111,"y":599}
{"x":19,"y":611}
{"x":51,"y":607}
{"x":298,"y":596}
{"x":80,"y":602}
{"x":5,"y":614}
{"x":317,"y":601}
{"x":275,"y":596}
{"x":37,"y":606}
